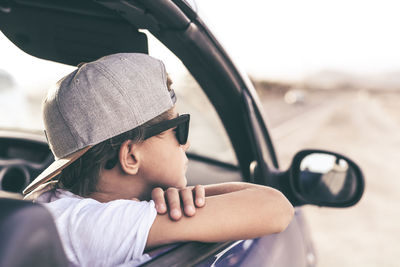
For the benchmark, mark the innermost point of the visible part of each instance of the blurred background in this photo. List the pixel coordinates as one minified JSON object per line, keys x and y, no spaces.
{"x":328,"y":76}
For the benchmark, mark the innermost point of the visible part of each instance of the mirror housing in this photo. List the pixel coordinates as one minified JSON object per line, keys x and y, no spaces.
{"x":325,"y":178}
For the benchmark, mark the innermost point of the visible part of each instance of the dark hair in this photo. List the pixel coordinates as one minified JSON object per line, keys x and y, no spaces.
{"x":82,"y":176}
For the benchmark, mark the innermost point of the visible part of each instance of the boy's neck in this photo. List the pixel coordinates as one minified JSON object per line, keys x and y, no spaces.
{"x":113,"y":186}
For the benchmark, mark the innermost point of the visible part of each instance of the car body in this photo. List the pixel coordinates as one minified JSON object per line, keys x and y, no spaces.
{"x":81,"y":31}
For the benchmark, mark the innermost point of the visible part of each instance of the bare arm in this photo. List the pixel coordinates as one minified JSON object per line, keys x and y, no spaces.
{"x":224,"y":188}
{"x":233,"y":211}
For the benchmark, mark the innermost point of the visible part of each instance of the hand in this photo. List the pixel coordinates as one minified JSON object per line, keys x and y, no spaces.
{"x":187,"y":199}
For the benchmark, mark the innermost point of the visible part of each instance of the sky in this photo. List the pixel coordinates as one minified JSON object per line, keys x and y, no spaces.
{"x":290,"y":39}
{"x":282,"y":40}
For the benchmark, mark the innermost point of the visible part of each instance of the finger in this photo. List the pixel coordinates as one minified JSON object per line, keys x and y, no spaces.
{"x":200,"y":196}
{"x":174,"y":203}
{"x":157,"y":194}
{"x":187,"y":200}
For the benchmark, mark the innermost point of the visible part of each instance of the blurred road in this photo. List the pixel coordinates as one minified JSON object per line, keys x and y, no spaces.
{"x":366,"y":127}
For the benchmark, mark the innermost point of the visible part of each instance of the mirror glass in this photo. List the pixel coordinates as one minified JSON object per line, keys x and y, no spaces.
{"x":326,"y":178}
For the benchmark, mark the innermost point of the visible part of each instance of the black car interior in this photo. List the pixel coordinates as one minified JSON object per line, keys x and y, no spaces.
{"x":22,"y":158}
{"x":28,"y":236}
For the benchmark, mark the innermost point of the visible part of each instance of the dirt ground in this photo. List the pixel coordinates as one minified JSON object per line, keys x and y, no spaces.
{"x":365,"y":126}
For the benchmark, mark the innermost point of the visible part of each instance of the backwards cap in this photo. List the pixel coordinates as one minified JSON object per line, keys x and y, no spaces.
{"x":100,"y":100}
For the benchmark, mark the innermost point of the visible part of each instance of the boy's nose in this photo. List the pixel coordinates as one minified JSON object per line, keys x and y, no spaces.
{"x":186,"y":146}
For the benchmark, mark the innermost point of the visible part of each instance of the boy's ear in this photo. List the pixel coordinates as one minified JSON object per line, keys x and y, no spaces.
{"x":129,"y":157}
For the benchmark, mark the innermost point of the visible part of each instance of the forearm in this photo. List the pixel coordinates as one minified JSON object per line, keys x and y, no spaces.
{"x":224,"y":188}
{"x":252,"y":211}
{"x":248,"y":211}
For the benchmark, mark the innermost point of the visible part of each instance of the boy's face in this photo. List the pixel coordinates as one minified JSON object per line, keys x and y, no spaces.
{"x":164,"y":161}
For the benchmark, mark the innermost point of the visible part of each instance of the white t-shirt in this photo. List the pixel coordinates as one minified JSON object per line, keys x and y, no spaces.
{"x":100,"y":234}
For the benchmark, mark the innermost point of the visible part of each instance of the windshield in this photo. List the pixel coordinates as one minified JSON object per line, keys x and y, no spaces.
{"x":24,"y":81}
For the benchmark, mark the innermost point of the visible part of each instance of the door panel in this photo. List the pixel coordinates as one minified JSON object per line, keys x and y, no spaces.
{"x":289,"y":248}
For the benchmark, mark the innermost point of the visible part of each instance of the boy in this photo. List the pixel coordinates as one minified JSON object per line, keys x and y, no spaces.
{"x":118,"y":142}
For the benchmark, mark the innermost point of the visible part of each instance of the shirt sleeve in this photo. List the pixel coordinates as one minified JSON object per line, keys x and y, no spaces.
{"x":110,"y":234}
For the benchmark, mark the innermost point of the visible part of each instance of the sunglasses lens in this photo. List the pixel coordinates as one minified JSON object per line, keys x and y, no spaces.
{"x":182,"y":132}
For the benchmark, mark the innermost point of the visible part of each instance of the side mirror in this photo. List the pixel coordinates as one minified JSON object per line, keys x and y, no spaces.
{"x":325,"y":178}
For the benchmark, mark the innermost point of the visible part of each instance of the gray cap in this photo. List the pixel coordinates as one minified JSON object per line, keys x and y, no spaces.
{"x":99,"y":100}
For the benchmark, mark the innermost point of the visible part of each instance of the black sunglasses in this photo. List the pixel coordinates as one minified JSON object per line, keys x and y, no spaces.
{"x":181,"y":132}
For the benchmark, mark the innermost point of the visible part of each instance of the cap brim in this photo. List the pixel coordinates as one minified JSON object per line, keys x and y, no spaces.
{"x":54,"y":169}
